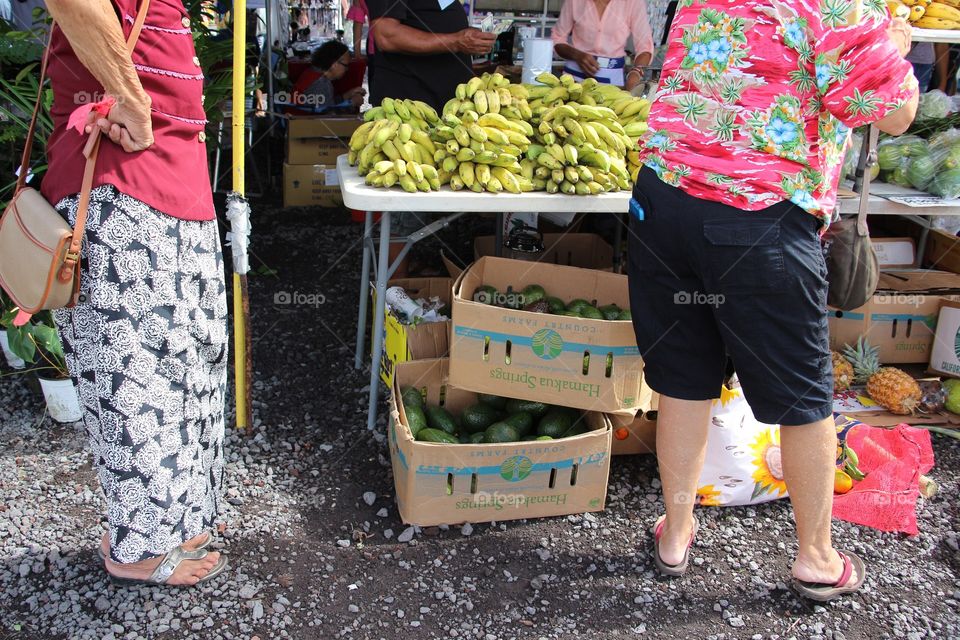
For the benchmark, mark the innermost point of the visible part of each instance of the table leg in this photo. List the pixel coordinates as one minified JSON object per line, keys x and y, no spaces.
{"x":498,"y":236}
{"x":618,"y":242}
{"x":383,"y":265}
{"x":364,"y":289}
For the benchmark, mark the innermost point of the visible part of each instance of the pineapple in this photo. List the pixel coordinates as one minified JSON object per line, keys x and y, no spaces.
{"x":887,"y":386}
{"x":842,"y":373}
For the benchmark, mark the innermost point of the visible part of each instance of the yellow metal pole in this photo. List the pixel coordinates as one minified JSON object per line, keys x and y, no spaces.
{"x":240,"y":308}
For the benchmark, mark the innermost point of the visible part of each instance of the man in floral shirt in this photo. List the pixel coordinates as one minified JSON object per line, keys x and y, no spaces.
{"x":747,"y":136}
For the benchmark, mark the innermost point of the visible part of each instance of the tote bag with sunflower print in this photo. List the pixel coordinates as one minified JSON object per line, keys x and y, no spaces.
{"x":743,"y":455}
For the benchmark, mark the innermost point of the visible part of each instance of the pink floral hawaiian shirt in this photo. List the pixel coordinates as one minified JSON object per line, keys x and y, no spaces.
{"x":757,"y":99}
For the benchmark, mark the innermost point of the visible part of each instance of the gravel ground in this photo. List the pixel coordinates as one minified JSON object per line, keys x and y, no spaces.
{"x":318,"y":551}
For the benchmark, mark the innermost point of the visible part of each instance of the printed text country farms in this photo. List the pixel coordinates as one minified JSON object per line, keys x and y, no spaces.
{"x":566,"y":325}
{"x":532,"y":381}
{"x":498,"y":501}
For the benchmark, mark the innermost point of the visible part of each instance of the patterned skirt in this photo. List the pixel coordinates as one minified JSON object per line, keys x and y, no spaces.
{"x":146,"y":347}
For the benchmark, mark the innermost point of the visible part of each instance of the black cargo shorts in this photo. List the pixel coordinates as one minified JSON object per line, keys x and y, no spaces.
{"x":707,"y":280}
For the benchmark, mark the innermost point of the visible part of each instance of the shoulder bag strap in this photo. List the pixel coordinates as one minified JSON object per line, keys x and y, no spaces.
{"x":873,"y":135}
{"x":90,"y":150}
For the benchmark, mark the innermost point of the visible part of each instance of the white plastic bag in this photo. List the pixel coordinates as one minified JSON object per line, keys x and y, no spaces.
{"x":743,"y":464}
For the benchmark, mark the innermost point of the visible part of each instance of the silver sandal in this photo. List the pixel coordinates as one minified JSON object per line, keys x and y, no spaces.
{"x":200,"y":547}
{"x":169,"y":565}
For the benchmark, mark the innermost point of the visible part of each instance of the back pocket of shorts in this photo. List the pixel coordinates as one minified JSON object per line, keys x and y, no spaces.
{"x":744,"y":255}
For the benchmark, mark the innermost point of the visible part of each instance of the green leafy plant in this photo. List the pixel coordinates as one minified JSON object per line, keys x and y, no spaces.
{"x":36,"y":342}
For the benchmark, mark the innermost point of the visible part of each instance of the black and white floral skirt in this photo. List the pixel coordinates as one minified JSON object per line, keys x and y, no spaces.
{"x":146,"y":347}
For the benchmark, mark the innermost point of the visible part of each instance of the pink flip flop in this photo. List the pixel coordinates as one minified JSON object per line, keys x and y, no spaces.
{"x":824,"y":591}
{"x":672,"y":570}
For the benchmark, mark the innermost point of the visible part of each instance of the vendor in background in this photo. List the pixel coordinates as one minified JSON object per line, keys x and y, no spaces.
{"x":359,"y":14}
{"x":424,"y":49}
{"x":314,"y":88}
{"x":598,"y":31}
{"x":921,"y":56}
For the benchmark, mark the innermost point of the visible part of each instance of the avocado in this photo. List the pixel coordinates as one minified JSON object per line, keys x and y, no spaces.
{"x":533,"y":293}
{"x":543,"y":438}
{"x":478,"y":417}
{"x":415,"y":419}
{"x":440,"y":418}
{"x":411,"y":398}
{"x":536,"y":409}
{"x":486,"y":294}
{"x":477,"y":438}
{"x":435,"y":435}
{"x":556,"y":304}
{"x":576,"y":430}
{"x":571,"y":314}
{"x":555,"y":423}
{"x":610,"y":311}
{"x":577,"y":305}
{"x":501,"y":432}
{"x":538,"y":307}
{"x":496,"y":402}
{"x":625,"y":315}
{"x":590,"y":313}
{"x":522,"y":421}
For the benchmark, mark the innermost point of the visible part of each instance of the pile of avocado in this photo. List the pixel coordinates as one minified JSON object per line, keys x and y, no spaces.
{"x":493,"y":419}
{"x":534,"y":298}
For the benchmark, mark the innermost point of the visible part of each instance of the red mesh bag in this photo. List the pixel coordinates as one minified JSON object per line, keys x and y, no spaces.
{"x":893,"y":461}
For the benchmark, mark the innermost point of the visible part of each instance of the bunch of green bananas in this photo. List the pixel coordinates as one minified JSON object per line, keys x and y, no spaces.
{"x":494,"y":135}
{"x":630,"y":112}
{"x":387,"y":153}
{"x":485,"y":130}
{"x":850,"y":463}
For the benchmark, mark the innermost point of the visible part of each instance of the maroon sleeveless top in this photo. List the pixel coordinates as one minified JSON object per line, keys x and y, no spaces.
{"x":170,"y":176}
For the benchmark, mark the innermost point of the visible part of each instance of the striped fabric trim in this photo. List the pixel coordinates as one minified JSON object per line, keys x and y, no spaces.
{"x":168,"y":73}
{"x":583,"y":76}
{"x":180,"y":118}
{"x":150,"y":27}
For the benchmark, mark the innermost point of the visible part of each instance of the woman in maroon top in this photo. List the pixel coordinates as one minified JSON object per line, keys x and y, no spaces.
{"x":147,"y":343}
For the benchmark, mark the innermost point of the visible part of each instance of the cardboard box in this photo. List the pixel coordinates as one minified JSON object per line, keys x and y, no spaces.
{"x":311,"y":185}
{"x":404,"y":342}
{"x":945,"y":354}
{"x":538,"y":356}
{"x":943,"y":251}
{"x":900,"y":318}
{"x":585,"y":250}
{"x":453,"y":483}
{"x":638,"y":437}
{"x":895,"y":252}
{"x":319,"y":140}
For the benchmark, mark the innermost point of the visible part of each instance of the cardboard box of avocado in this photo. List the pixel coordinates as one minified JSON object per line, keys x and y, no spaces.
{"x":444,"y":481}
{"x":545,"y":332}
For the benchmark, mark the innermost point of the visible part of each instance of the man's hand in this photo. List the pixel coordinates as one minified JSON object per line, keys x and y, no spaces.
{"x":900,"y":33}
{"x":475,"y":42}
{"x":355,"y":96}
{"x":129,"y":124}
{"x":587,"y":62}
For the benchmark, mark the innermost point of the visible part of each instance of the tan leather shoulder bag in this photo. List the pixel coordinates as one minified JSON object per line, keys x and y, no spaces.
{"x":39,"y":252}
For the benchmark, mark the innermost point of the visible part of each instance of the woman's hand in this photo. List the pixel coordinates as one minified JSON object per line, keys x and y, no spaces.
{"x":129,"y":123}
{"x":587,"y":62}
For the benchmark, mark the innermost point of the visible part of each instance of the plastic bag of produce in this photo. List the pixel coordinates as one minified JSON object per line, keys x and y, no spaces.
{"x":898,"y":175}
{"x":946,"y":184}
{"x":934,"y":104}
{"x":893,"y":460}
{"x":945,"y":147}
{"x":922,"y":170}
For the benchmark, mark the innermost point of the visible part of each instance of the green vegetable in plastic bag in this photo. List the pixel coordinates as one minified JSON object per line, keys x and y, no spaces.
{"x":921,"y":171}
{"x":946,"y":184}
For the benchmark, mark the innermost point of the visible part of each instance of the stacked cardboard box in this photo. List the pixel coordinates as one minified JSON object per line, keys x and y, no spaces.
{"x":405,"y":342}
{"x":310,"y":171}
{"x":448,"y":484}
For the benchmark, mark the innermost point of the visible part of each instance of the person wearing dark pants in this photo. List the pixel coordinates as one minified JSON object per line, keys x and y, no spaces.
{"x":747,"y":135}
